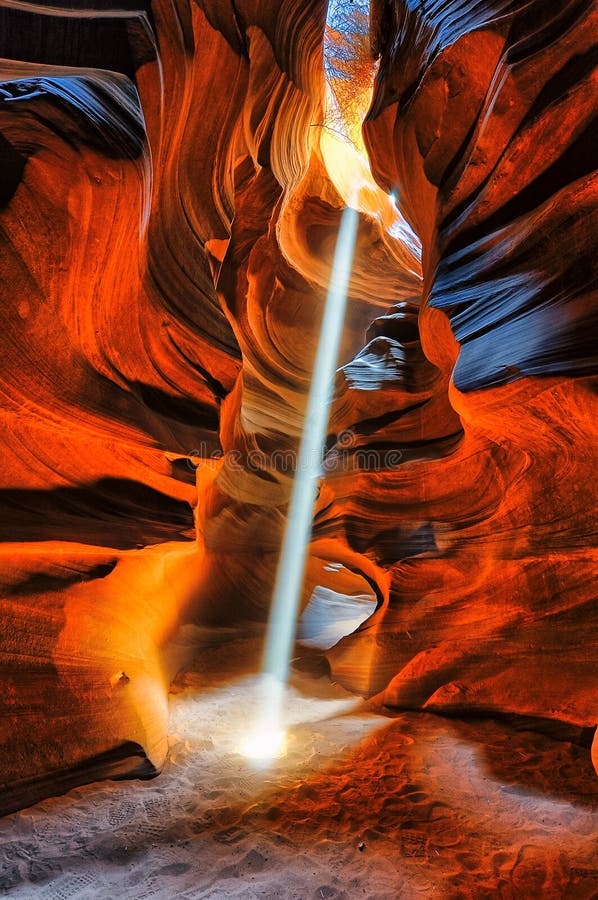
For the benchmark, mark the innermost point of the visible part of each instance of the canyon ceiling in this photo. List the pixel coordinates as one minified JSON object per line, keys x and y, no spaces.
{"x":170,"y":197}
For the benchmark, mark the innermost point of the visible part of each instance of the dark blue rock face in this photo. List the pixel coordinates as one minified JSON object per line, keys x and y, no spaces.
{"x":509,"y":149}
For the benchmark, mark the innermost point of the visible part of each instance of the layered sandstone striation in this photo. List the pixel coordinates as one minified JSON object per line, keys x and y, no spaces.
{"x":173,"y":181}
{"x":482,"y":121}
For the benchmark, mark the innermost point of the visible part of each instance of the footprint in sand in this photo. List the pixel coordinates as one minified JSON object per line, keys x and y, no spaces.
{"x":9,"y":878}
{"x":157,"y":808}
{"x":68,"y":887}
{"x":121,"y":813}
{"x":149,"y":831}
{"x":150,"y":889}
{"x":43,"y":869}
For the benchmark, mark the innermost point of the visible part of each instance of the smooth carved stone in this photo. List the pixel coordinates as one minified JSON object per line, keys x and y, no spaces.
{"x":481,"y":120}
{"x":169,"y":216}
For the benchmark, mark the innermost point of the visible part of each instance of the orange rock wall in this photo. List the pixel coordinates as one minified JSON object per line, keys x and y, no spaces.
{"x":168,"y":222}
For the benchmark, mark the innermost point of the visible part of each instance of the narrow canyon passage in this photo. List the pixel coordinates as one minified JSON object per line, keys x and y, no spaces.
{"x":174,"y":178}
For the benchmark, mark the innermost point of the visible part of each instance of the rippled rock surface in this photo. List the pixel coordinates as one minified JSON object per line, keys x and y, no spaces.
{"x":169,"y":203}
{"x":482,"y":121}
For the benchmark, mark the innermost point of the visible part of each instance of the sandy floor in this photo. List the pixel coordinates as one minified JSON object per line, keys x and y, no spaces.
{"x":361,"y":806}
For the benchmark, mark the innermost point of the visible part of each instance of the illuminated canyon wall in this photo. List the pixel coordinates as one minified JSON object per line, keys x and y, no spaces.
{"x":171,"y":193}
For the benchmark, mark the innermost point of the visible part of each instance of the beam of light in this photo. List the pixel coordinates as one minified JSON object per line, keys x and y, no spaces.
{"x":262,"y":746}
{"x":293,"y":557}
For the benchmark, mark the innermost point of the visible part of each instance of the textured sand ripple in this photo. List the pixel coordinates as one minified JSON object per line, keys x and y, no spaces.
{"x":361,"y":806}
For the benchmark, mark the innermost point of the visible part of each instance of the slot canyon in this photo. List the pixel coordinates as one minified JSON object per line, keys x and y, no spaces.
{"x":173,"y":180}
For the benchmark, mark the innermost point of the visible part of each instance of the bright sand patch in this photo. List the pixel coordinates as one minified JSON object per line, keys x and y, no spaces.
{"x":360,"y":806}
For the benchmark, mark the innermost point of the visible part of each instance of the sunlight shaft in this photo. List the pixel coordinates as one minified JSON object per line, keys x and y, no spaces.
{"x":291,"y":568}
